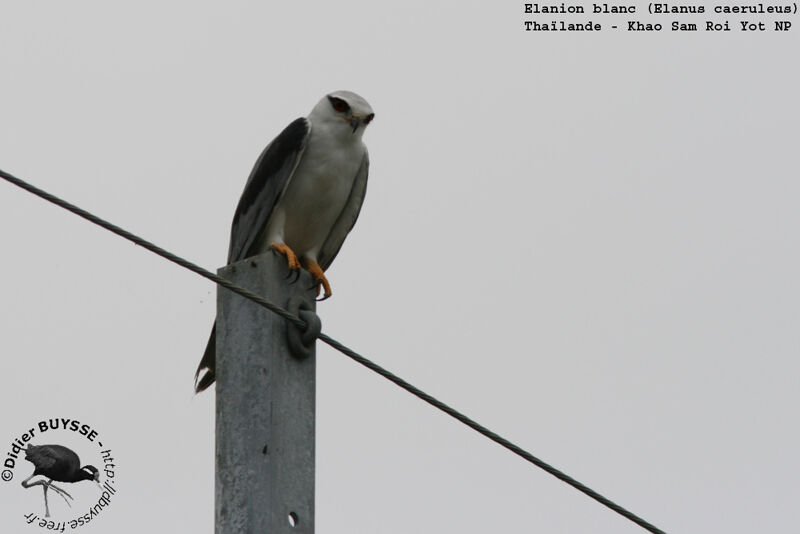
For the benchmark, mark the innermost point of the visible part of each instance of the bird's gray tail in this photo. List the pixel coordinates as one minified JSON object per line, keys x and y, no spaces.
{"x":206,"y":371}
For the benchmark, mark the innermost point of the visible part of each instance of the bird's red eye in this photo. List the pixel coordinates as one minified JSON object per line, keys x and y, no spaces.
{"x":369,"y":118}
{"x":339,"y":104}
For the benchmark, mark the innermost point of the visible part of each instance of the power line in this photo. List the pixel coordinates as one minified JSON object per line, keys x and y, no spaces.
{"x":336,"y":345}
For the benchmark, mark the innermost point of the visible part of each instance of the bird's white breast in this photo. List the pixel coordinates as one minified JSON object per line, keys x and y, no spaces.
{"x":317,"y":192}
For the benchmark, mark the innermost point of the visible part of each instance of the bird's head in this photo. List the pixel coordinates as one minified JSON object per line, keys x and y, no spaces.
{"x":343,"y":110}
{"x":90,"y":472}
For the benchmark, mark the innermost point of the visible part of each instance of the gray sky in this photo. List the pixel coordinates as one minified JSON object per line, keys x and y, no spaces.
{"x":586,"y":242}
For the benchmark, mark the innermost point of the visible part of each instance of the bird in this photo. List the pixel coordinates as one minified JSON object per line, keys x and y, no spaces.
{"x":302,"y":197}
{"x":59,"y":463}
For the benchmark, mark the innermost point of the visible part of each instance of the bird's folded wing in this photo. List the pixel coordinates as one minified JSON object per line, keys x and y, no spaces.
{"x":347,"y":219}
{"x":265,"y":186}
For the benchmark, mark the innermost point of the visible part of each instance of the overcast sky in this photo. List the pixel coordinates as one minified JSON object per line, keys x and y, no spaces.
{"x":587,"y":242}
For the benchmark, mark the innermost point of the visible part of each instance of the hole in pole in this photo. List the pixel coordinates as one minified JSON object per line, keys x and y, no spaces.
{"x":293,"y":519}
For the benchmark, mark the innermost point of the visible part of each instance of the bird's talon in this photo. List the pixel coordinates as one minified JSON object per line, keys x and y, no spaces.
{"x":291,"y":257}
{"x":315,"y":285}
{"x":320,"y":281}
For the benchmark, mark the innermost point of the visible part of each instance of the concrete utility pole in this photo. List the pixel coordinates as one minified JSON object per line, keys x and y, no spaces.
{"x":265,"y":406}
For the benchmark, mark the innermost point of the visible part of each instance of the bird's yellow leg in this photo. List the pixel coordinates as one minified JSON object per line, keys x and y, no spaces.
{"x":316,"y":271}
{"x":291,"y":257}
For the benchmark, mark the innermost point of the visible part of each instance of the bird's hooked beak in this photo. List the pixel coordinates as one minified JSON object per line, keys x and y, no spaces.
{"x":355,"y":122}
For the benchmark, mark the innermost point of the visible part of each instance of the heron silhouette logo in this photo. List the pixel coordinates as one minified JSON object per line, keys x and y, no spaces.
{"x":51,"y":446}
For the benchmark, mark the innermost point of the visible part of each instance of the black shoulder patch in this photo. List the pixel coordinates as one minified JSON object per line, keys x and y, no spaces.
{"x":283,"y":149}
{"x":267,"y":180}
{"x":288,"y":143}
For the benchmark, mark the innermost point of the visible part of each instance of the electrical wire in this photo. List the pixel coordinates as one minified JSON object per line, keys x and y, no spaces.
{"x":519,"y":451}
